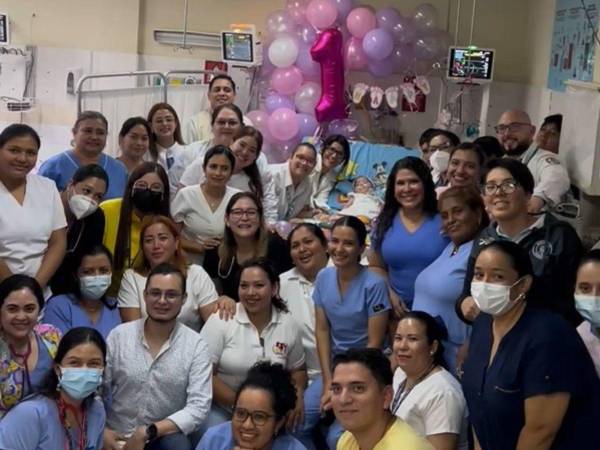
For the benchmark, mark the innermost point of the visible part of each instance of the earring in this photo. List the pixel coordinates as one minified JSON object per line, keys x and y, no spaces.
{"x":432,"y":353}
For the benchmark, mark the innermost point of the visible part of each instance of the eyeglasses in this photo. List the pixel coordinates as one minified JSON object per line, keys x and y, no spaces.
{"x":237,"y":214}
{"x":511,"y":127}
{"x":337,"y":153}
{"x":506,"y":187}
{"x":259,"y":418}
{"x":446,"y":146}
{"x":227,"y":123}
{"x":306,"y":162}
{"x":143,"y":185}
{"x":170,"y":296}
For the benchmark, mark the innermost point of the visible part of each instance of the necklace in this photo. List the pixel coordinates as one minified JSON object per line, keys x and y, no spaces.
{"x":67,"y":426}
{"x":402,"y":392}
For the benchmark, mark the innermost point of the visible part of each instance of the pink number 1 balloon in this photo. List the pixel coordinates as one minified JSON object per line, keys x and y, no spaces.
{"x":327,"y":51}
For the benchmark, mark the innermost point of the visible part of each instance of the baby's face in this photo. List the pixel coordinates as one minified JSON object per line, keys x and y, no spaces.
{"x":362,"y":186}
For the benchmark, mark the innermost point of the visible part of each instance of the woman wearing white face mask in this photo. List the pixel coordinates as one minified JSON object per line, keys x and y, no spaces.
{"x":528,"y":379}
{"x":440,"y":145}
{"x":587,"y":303}
{"x":85,"y":221}
{"x":86,"y":304}
{"x":66,"y":414}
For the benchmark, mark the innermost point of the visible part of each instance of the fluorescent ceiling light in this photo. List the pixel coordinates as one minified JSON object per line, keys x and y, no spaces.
{"x":192,"y":38}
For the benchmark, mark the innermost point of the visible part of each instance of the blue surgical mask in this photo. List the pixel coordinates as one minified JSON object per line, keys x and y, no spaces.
{"x":589,"y":308}
{"x":95,"y":286}
{"x":79,"y":382}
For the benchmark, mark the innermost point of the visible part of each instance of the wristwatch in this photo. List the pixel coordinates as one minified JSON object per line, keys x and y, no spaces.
{"x":151,"y":432}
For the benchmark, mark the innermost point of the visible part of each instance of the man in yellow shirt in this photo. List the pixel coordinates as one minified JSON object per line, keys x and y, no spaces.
{"x":361,"y":396}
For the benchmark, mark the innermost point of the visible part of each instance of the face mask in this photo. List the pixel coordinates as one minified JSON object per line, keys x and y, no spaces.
{"x":589,"y":308}
{"x":146,"y":201}
{"x":439,"y":160}
{"x":493,"y":299}
{"x":82,"y":206}
{"x":94,"y":287}
{"x":79,"y":383}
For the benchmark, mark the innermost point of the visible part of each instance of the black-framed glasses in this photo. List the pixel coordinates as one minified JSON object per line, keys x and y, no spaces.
{"x":259,"y":418}
{"x":511,"y":127}
{"x":506,"y":187}
{"x":337,"y":153}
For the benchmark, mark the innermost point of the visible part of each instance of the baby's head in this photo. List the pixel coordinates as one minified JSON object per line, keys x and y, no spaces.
{"x":362,"y":185}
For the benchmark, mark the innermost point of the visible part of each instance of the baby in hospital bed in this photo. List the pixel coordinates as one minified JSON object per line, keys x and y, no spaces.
{"x":362,"y":202}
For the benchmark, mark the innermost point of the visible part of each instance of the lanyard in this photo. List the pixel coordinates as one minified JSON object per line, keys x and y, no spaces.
{"x":402,"y":392}
{"x":62,"y":412}
{"x":24,"y":357}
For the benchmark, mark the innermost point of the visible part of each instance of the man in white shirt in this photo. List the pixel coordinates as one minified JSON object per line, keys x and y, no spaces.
{"x":221,"y":91}
{"x":158,"y":375}
{"x":515,"y":132}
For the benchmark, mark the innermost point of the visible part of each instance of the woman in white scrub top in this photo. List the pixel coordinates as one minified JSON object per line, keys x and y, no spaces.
{"x":33,"y":227}
{"x":166,"y":139}
{"x":200,"y":209}
{"x":334,"y":153}
{"x":308,"y":250}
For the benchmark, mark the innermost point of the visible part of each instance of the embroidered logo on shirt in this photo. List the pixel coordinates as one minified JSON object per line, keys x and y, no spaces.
{"x":541,"y":249}
{"x":280,"y":348}
{"x":378,"y":307}
{"x":552,"y":161}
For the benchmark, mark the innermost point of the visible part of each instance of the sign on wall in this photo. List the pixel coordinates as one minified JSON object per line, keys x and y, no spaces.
{"x":573,"y":42}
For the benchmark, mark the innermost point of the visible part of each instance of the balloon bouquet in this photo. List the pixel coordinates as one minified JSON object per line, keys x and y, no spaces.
{"x":310,"y":46}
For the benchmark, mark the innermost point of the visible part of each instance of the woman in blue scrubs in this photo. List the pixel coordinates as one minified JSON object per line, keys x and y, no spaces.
{"x":407,"y":236}
{"x":351,"y":308}
{"x":261,"y":406}
{"x":87,"y":305}
{"x":528,"y":379}
{"x":66,"y":414}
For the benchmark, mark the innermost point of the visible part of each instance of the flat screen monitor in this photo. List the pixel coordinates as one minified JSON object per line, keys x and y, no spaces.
{"x":470,"y":64}
{"x":238,"y":48}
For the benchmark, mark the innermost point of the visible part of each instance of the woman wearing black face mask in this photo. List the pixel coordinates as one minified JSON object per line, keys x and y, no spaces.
{"x":146,"y":193}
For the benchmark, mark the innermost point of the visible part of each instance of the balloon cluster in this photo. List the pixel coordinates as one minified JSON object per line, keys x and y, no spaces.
{"x":382,"y":42}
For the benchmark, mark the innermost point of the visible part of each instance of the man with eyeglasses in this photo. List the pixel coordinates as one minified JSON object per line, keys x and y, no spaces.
{"x":158,"y":376}
{"x":553,"y":245}
{"x":221,"y":91}
{"x":516,"y":134}
{"x":362,"y":393}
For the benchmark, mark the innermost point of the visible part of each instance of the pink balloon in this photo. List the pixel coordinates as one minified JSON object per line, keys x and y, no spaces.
{"x":279,"y":22}
{"x":377,"y":44}
{"x":328,"y":52}
{"x":307,"y":125}
{"x":354,"y":55}
{"x":321,"y":14}
{"x":307,"y":97}
{"x":360,"y":21}
{"x":283,"y":124}
{"x":296,"y":9}
{"x":260,"y":121}
{"x":286,"y":81}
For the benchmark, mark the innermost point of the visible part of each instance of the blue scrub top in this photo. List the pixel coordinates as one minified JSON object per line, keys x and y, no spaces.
{"x":437,"y":288}
{"x":43,"y":367}
{"x":34,"y":424}
{"x":542,"y":354}
{"x":220,"y":437}
{"x":406,"y":254}
{"x":349,"y":315}
{"x":64,"y":312}
{"x":61,"y":168}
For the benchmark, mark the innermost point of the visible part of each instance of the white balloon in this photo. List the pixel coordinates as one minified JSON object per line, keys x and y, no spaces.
{"x":307,"y":97}
{"x":283,"y":51}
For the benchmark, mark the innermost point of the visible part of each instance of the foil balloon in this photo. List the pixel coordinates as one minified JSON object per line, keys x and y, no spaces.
{"x":327,"y":51}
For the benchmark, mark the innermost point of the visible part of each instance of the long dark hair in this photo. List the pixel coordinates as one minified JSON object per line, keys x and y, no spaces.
{"x":264,"y":264}
{"x":123,"y":244}
{"x":94,"y":250}
{"x":391,"y":205}
{"x":73,"y":338}
{"x":17,"y":282}
{"x":252,"y":170}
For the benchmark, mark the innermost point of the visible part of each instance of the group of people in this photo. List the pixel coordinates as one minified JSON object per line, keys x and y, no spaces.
{"x":146,"y":302}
